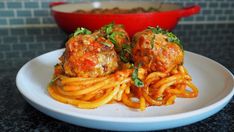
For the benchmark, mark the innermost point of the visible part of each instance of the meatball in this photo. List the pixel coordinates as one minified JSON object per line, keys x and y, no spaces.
{"x":89,"y":56}
{"x":119,"y":37}
{"x":116,"y":34}
{"x":157,"y":50}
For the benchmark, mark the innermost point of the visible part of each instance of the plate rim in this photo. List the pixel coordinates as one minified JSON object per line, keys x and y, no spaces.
{"x":134,"y":119}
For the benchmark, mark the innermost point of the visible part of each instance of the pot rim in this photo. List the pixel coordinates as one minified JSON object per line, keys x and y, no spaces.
{"x":60,"y":4}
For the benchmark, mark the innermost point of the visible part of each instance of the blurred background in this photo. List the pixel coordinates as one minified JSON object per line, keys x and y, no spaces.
{"x":27,"y":28}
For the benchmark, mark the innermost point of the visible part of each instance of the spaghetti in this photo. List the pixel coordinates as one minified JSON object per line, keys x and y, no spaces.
{"x":159,"y":89}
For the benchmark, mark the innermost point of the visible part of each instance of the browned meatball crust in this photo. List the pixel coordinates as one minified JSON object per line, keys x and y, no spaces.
{"x":89,"y":56}
{"x":155,"y":50}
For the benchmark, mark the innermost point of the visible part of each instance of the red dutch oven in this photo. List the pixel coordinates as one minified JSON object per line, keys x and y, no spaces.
{"x":168,"y":17}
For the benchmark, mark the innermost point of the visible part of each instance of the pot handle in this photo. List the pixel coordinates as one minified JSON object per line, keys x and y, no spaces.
{"x":51,"y":4}
{"x":188,"y":11}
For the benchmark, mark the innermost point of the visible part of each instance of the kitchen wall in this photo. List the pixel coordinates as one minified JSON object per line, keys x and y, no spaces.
{"x":15,"y":13}
{"x":27,"y":28}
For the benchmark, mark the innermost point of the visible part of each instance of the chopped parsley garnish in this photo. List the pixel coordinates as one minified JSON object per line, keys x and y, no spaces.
{"x":81,"y":31}
{"x":152,"y":42}
{"x":159,"y":98}
{"x":157,"y":30}
{"x":111,"y":37}
{"x":123,"y":57}
{"x":108,"y":28}
{"x":131,"y":66}
{"x":109,"y":34}
{"x":136,"y":80}
{"x":54,"y":79}
{"x":126,"y":49}
{"x":106,"y":44}
{"x":173,"y":38}
{"x":170,"y":36}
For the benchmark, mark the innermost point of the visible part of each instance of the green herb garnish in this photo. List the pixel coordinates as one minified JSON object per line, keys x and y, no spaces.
{"x":112,"y":36}
{"x":131,"y":66}
{"x":112,"y":39}
{"x":108,"y":28}
{"x":54,"y":79}
{"x":170,"y":36}
{"x":157,"y":30}
{"x":81,"y":31}
{"x":152,"y":42}
{"x":126,"y":49}
{"x":138,"y":83}
{"x":159,"y":98}
{"x":123,"y":57}
{"x":136,"y":80}
{"x":106,"y":44}
{"x":173,"y":38}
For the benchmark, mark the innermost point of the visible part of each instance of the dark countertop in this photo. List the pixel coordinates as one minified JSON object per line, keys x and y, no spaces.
{"x":213,"y":41}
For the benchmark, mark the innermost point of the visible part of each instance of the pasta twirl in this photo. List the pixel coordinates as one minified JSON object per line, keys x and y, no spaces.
{"x":160,"y":89}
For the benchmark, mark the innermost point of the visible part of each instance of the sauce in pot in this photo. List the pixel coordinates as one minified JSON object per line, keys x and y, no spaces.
{"x":117,"y":10}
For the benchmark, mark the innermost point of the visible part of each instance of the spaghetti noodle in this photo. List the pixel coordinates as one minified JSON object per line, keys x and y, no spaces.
{"x":159,"y":89}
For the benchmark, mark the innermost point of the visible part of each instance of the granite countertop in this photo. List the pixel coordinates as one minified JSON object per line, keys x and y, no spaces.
{"x":17,"y":115}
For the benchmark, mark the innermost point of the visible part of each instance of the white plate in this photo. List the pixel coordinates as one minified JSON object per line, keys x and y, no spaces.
{"x":214,"y":81}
